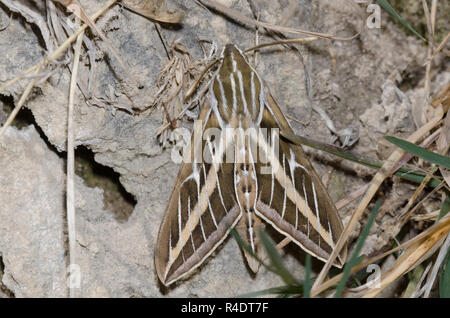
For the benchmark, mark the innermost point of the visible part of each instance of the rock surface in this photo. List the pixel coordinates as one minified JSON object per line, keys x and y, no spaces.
{"x":116,"y":258}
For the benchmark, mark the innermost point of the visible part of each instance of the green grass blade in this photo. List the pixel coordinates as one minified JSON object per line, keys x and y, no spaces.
{"x":276,"y":260}
{"x":444,"y":277}
{"x":355,"y":259}
{"x":403,"y":172}
{"x":307,"y":282}
{"x":394,"y":13}
{"x":413,"y":279}
{"x":418,"y":179}
{"x":276,"y":266}
{"x":293,"y":286}
{"x":423,"y":153}
{"x":331,"y":149}
{"x":445,"y":207}
{"x":247,"y":248}
{"x":281,"y":290}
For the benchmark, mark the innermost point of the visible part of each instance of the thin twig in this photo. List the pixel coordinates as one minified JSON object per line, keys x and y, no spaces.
{"x":433,"y":15}
{"x":377,"y":180}
{"x":440,"y":46}
{"x":418,"y":291}
{"x":37,"y":67}
{"x":70,"y":197}
{"x":429,"y":50}
{"x":414,"y":255}
{"x":288,"y":41}
{"x":443,"y":223}
{"x":219,"y":7}
{"x":61,"y":49}
{"x":440,"y":258}
{"x":194,"y":85}
{"x":19,"y":105}
{"x":406,"y":210}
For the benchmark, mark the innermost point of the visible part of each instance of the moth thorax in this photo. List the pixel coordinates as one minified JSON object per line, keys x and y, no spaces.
{"x":245,"y":177}
{"x":237,"y":89}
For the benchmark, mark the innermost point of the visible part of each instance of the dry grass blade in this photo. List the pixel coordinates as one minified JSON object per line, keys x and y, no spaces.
{"x":19,"y":105}
{"x":428,"y":18}
{"x":219,"y":7}
{"x":406,"y":210}
{"x":194,"y":85}
{"x":351,"y":197}
{"x":415,"y":254}
{"x":347,"y":136}
{"x":288,"y":41}
{"x":154,"y":9}
{"x":433,"y":15}
{"x":443,"y":223}
{"x":36,"y":68}
{"x":418,"y":275}
{"x":437,"y":264}
{"x":443,"y":99}
{"x":377,"y":180}
{"x":355,"y":259}
{"x":413,"y":210}
{"x":440,"y":46}
{"x":75,"y":7}
{"x":430,"y":48}
{"x":60,"y":50}
{"x":183,"y":80}
{"x":70,"y":195}
{"x":426,"y":217}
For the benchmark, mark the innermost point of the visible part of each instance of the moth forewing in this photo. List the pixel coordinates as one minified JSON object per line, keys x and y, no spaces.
{"x":299,"y":205}
{"x":210,"y":197}
{"x":200,"y":212}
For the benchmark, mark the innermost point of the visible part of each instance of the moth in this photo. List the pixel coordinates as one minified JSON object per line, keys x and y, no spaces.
{"x":237,"y":188}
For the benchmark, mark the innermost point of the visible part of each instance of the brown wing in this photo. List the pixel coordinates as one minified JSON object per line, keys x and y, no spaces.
{"x":291,"y":196}
{"x":201,"y":211}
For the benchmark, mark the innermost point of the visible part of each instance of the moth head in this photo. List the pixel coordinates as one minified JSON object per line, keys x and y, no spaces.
{"x":233,"y":59}
{"x":230,"y":48}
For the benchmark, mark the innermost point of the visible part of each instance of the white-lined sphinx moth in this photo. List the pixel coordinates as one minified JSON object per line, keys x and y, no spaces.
{"x":210,"y":197}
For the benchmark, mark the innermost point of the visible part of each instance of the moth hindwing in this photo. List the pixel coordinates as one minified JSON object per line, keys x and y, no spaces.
{"x":240,"y":175}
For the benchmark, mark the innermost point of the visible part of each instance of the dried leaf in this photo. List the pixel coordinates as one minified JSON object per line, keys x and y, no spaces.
{"x":154,"y":9}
